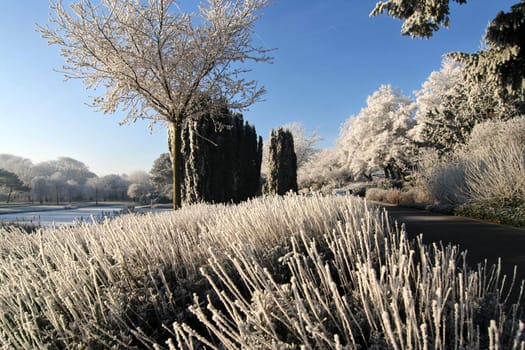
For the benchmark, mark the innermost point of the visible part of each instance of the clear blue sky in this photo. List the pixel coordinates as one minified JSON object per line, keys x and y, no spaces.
{"x":330,"y":56}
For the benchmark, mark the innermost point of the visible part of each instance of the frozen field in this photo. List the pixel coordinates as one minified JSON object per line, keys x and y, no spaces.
{"x":60,"y":216}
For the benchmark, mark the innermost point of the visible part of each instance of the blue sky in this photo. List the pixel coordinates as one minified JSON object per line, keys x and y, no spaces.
{"x":330,"y":56}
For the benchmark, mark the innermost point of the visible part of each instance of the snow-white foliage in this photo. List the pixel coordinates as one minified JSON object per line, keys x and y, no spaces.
{"x":449,"y":106}
{"x":364,"y":285}
{"x":323,"y":171}
{"x":377,"y":137}
{"x":140,"y":185}
{"x":154,"y":60}
{"x":305,"y":145}
{"x":286,"y":272}
{"x":490,"y":166}
{"x":92,"y":286}
{"x":441,"y":177}
{"x":495,"y":160}
{"x":433,"y":98}
{"x":22,"y":167}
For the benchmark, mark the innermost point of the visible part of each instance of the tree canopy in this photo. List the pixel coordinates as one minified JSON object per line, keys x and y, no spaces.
{"x":10,"y":183}
{"x":501,"y":65}
{"x":421,"y":17}
{"x":377,"y":138}
{"x":161,"y":175}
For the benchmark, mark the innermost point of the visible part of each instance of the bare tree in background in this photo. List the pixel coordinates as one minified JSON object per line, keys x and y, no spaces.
{"x":153,"y":60}
{"x":305,"y":145}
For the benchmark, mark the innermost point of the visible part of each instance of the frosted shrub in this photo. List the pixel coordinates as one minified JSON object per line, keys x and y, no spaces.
{"x":278,"y":272}
{"x":442,"y":178}
{"x":362,"y":285}
{"x":394,"y":195}
{"x":114,"y":284}
{"x":495,"y":161}
{"x":376,"y":194}
{"x":491,"y":166}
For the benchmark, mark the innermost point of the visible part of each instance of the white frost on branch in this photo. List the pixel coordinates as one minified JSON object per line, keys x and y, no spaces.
{"x":377,"y":137}
{"x":155,"y":61}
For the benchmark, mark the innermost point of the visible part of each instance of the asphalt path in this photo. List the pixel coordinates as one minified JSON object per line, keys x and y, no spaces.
{"x":482,"y":240}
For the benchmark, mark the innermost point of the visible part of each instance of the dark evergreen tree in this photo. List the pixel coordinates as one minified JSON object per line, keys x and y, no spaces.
{"x":222,"y":160}
{"x":10,"y":182}
{"x":161,"y":175}
{"x":282,"y":163}
{"x":500,"y":68}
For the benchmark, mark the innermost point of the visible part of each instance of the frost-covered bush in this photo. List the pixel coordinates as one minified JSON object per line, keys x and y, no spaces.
{"x":442,"y":178}
{"x":396,"y":196}
{"x":362,"y":286}
{"x":278,"y":272}
{"x":376,"y":194}
{"x":495,"y":161}
{"x":491,"y":166}
{"x":114,"y":284}
{"x":391,"y":196}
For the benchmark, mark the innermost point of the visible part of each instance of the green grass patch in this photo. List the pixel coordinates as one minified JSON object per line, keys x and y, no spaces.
{"x":501,"y":211}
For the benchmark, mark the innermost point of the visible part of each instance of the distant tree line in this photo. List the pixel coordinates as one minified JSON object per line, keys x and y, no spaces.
{"x":65,"y":180}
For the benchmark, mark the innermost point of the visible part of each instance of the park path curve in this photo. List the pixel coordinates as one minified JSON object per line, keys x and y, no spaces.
{"x":482,"y":240}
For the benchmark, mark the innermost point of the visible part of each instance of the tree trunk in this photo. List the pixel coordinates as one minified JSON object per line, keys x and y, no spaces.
{"x":9,"y":195}
{"x":174,"y":145}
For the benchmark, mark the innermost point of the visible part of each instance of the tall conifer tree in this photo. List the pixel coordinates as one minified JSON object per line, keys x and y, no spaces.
{"x":282,"y":163}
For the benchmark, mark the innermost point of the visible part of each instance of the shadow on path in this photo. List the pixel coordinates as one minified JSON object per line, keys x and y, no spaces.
{"x":482,"y":240}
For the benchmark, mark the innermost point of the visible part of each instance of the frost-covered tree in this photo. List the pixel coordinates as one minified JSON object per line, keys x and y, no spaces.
{"x":377,"y":138}
{"x":282,"y":163}
{"x":442,"y":117}
{"x":305,"y":144}
{"x":113,"y":187}
{"x":139,"y":192}
{"x":40,"y":189}
{"x":140,"y":186}
{"x":449,"y":106}
{"x":95,"y":186}
{"x":9,"y":183}
{"x":161,"y":175}
{"x":71,"y":169}
{"x":323,"y":171}
{"x":58,"y":187}
{"x":421,"y":17}
{"x":22,"y":167}
{"x":139,"y":177}
{"x":153,"y":60}
{"x":500,"y":67}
